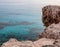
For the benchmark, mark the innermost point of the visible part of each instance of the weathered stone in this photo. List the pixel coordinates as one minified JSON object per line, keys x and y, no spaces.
{"x":39,"y":43}
{"x":43,"y":41}
{"x":48,"y":46}
{"x":57,"y":43}
{"x":15,"y":43}
{"x":51,"y":14}
{"x":52,"y":32}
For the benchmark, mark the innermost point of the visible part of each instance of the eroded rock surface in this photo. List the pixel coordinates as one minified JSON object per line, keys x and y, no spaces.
{"x":51,"y":14}
{"x":52,"y":31}
{"x":43,"y":42}
{"x":39,"y":43}
{"x":15,"y":43}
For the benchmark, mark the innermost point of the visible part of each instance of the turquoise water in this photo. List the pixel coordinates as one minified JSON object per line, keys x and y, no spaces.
{"x":20,"y":22}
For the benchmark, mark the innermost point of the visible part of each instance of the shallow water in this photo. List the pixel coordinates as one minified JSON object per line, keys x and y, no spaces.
{"x":20,"y":22}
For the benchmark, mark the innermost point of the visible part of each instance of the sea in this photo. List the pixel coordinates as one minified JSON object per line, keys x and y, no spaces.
{"x":22,"y":22}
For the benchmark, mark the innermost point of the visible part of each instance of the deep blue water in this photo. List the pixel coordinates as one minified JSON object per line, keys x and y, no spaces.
{"x":20,"y":22}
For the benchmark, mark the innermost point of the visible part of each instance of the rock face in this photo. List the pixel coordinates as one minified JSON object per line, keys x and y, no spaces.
{"x":43,"y":42}
{"x":38,"y":43}
{"x":51,"y":14}
{"x":52,"y":31}
{"x":15,"y":43}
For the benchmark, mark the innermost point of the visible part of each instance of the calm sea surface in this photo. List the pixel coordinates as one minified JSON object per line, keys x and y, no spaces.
{"x":20,"y":22}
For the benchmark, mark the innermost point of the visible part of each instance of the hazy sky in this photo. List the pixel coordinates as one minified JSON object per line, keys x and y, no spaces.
{"x":19,"y":2}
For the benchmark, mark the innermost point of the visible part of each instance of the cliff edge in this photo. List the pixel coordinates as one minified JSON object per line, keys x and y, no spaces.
{"x":51,"y":35}
{"x":50,"y":15}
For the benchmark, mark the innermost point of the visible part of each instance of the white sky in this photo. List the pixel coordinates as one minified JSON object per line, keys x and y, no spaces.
{"x":18,"y":2}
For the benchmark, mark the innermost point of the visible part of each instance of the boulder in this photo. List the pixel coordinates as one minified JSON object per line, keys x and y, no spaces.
{"x":51,"y":14}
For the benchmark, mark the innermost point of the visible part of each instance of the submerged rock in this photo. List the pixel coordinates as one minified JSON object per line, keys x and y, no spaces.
{"x":4,"y":24}
{"x":52,"y":31}
{"x":51,"y":14}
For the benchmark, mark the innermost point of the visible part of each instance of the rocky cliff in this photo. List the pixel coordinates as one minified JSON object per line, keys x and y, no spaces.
{"x":43,"y":42}
{"x":51,"y":35}
{"x":52,"y":31}
{"x":39,"y":43}
{"x":51,"y":14}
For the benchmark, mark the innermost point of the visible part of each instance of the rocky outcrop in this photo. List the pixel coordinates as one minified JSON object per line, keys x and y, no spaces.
{"x":15,"y":43}
{"x":43,"y":42}
{"x":52,"y":31}
{"x":38,"y":43}
{"x":51,"y":14}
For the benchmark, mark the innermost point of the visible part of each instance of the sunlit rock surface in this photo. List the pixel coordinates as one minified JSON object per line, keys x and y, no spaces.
{"x":15,"y":43}
{"x":52,"y":31}
{"x":38,"y":43}
{"x":43,"y":41}
{"x":51,"y":14}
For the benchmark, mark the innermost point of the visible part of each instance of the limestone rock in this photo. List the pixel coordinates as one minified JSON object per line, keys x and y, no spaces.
{"x":51,"y":14}
{"x":15,"y":43}
{"x":44,"y":41}
{"x":52,"y":31}
{"x":57,"y":43}
{"x":39,"y":43}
